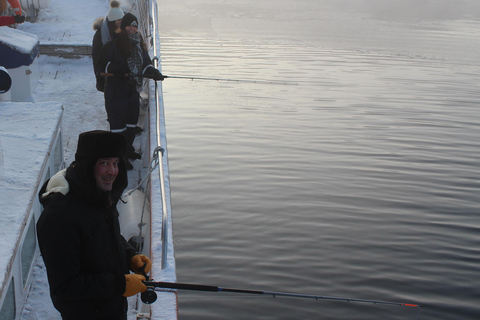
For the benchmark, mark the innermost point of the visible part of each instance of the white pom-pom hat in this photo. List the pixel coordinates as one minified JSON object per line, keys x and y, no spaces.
{"x":115,"y":13}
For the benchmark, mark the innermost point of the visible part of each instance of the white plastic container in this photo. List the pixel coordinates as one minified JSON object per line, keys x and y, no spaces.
{"x":37,"y":4}
{"x":19,"y":51}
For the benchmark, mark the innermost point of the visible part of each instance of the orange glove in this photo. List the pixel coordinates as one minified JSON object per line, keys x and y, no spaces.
{"x":134,"y":284}
{"x":137,"y":261}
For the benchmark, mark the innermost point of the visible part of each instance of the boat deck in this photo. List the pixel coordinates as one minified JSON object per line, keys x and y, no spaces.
{"x":70,"y":83}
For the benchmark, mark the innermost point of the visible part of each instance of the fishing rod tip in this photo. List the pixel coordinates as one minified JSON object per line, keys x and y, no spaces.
{"x":412,"y":305}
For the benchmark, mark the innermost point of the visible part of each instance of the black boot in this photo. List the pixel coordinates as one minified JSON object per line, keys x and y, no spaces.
{"x":138,"y":130}
{"x":130,"y":137}
{"x":134,"y":155}
{"x":128,"y":165}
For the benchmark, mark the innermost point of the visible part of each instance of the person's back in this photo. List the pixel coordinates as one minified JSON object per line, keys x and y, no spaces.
{"x":97,"y":45}
{"x":104,"y":31}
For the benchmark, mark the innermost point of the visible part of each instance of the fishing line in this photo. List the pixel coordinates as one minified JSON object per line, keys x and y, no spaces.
{"x":233,"y":80}
{"x":206,"y":78}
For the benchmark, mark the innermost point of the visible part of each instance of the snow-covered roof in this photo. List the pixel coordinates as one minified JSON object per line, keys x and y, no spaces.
{"x":25,"y":138}
{"x":17,"y":48}
{"x":20,"y":41}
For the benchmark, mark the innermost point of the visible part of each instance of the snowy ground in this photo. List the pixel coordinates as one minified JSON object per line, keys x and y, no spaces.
{"x":74,"y":85}
{"x":67,"y":21}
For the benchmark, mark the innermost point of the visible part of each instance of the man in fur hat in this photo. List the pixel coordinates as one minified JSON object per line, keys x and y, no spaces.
{"x":86,"y":257}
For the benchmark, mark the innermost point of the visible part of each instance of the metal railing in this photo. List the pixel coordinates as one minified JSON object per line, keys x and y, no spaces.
{"x":159,"y":149}
{"x":147,"y":11}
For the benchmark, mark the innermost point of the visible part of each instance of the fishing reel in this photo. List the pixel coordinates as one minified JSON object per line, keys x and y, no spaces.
{"x":149,"y":296}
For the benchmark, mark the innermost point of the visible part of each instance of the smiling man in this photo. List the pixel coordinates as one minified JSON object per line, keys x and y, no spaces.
{"x":88,"y":261}
{"x":105,"y":172}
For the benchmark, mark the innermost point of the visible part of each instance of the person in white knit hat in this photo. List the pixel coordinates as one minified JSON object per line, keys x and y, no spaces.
{"x":115,"y":13}
{"x":105,"y":29}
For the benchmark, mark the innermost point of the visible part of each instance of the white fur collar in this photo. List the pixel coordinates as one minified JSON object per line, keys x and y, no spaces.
{"x":57,"y":183}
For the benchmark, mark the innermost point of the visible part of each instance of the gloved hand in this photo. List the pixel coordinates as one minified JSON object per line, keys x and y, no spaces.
{"x":137,"y":261}
{"x":19,"y":19}
{"x":153,"y":73}
{"x":134,"y":284}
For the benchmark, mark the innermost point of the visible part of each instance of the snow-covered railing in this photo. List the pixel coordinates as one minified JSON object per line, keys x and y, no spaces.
{"x":154,"y":11}
{"x":149,"y":29}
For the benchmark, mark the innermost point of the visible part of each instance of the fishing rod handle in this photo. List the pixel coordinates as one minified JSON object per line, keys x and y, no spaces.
{"x":182,"y":286}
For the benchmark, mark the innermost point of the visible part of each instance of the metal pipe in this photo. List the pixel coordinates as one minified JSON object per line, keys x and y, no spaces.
{"x":159,"y":148}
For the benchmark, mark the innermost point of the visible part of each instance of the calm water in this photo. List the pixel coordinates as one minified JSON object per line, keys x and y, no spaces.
{"x":357,"y":178}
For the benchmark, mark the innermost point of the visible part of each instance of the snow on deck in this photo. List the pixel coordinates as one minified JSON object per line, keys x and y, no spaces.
{"x":67,"y":22}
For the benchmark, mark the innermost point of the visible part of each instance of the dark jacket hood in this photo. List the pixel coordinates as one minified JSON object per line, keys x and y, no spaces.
{"x":93,"y":145}
{"x":79,"y":176}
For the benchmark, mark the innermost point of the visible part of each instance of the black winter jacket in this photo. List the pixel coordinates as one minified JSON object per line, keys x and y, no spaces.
{"x":85,"y":255}
{"x":97,"y":45}
{"x":112,"y":60}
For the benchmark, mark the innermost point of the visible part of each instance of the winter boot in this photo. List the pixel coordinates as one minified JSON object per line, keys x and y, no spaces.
{"x":128,"y":165}
{"x":130,"y":137}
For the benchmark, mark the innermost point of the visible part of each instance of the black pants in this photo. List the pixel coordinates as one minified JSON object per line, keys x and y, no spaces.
{"x":122,"y":103}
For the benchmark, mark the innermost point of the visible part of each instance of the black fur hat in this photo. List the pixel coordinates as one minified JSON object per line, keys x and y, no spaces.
{"x":93,"y":145}
{"x":100,"y":144}
{"x":129,"y":20}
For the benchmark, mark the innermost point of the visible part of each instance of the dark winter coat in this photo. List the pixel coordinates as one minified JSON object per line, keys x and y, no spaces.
{"x":97,"y":45}
{"x":122,"y":100}
{"x":114,"y":61}
{"x":85,"y":255}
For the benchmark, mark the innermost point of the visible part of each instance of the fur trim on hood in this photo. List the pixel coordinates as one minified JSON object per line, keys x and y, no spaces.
{"x":57,"y":183}
{"x":97,"y":24}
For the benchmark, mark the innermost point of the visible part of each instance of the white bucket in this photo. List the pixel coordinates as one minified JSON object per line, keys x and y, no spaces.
{"x":37,"y":4}
{"x":131,"y":214}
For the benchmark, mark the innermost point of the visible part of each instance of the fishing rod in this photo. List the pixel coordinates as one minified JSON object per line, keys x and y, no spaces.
{"x":204,"y":78}
{"x":150,"y":295}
